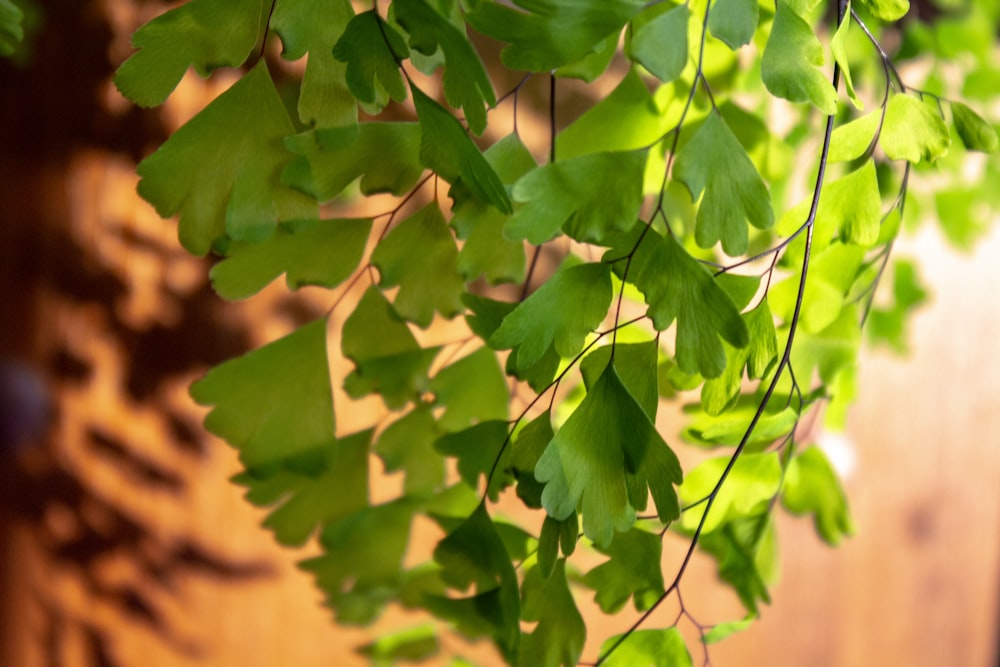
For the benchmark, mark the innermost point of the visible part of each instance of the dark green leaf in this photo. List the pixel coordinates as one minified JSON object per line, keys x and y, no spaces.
{"x":659,"y":40}
{"x":446,"y":148}
{"x":219,"y":171}
{"x":466,"y":83}
{"x":811,"y":487}
{"x":372,"y":48}
{"x":714,"y":162}
{"x":11,"y":28}
{"x":718,"y":394}
{"x":887,"y":10}
{"x":560,"y":634}
{"x":204,"y":34}
{"x":586,"y":465}
{"x":722,"y":631}
{"x":427,"y":280}
{"x":310,"y":252}
{"x":478,"y":449}
{"x":526,"y":449}
{"x":408,"y":445}
{"x":976,"y":134}
{"x":791,"y":61}
{"x":588,"y":196}
{"x":652,"y":648}
{"x":734,"y":21}
{"x":556,"y":534}
{"x":551,"y":33}
{"x":633,"y":570}
{"x":387,"y":358}
{"x":275,"y":403}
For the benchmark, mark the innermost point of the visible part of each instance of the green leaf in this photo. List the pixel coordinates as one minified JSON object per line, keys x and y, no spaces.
{"x":313,"y":27}
{"x":408,"y":445}
{"x":887,"y":10}
{"x":659,"y":40}
{"x":833,"y":272}
{"x":478,"y":448}
{"x":791,"y":61}
{"x":385,"y":156}
{"x":734,"y":21}
{"x":976,"y":134}
{"x":655,"y":648}
{"x":486,"y":314}
{"x":633,"y":570}
{"x":715,"y":162}
{"x":718,"y":394}
{"x":446,"y":148}
{"x":677,"y":287}
{"x":560,"y":314}
{"x":850,"y":208}
{"x":473,"y":554}
{"x":371,"y":48}
{"x":305,"y":498}
{"x":752,"y":483}
{"x":466,"y":83}
{"x":310,"y":252}
{"x":11,"y":28}
{"x":746,"y":551}
{"x":559,"y":637}
{"x":360,"y":569}
{"x":486,"y":251}
{"x":728,"y":427}
{"x":587,"y":464}
{"x":411,"y":644}
{"x":556,"y":534}
{"x":852,"y":140}
{"x":427,"y":280}
{"x":633,"y":362}
{"x":550,"y":33}
{"x":387,"y":358}
{"x":722,"y":631}
{"x":220,"y":170}
{"x":913,"y":131}
{"x":838,"y":47}
{"x":527,"y":448}
{"x":472,"y":390}
{"x":811,"y":487}
{"x":588,"y":196}
{"x":204,"y":34}
{"x":274,"y":403}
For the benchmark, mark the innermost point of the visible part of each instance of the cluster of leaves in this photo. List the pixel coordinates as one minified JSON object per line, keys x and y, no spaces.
{"x":668,"y":188}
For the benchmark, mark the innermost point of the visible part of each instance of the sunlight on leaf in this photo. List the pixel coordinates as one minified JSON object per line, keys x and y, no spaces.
{"x":750,"y":486}
{"x":913,"y":131}
{"x":976,"y":134}
{"x":659,"y":40}
{"x":811,"y":487}
{"x":734,"y":21}
{"x":652,"y":648}
{"x":791,"y":60}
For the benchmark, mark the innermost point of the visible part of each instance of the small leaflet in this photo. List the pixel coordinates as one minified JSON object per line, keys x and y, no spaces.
{"x":660,"y":40}
{"x":655,"y":648}
{"x":913,"y":130}
{"x":791,"y":61}
{"x":976,"y":134}
{"x":558,"y":638}
{"x":734,"y":21}
{"x":372,"y":48}
{"x":811,"y":487}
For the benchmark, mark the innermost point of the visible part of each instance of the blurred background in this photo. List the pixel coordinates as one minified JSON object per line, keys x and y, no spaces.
{"x":122,"y":543}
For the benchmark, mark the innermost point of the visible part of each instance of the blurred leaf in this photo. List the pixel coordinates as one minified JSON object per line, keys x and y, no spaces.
{"x":976,"y":134}
{"x":371,"y":48}
{"x":559,"y":636}
{"x":887,"y":10}
{"x":791,"y":61}
{"x":11,"y":28}
{"x":477,"y":449}
{"x":633,"y":570}
{"x":913,"y":131}
{"x":746,"y":551}
{"x":722,"y":631}
{"x":811,"y":487}
{"x":752,"y":483}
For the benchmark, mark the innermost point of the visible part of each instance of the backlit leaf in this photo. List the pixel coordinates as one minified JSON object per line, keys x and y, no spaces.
{"x":310,"y":252}
{"x":427,"y":281}
{"x":727,"y":428}
{"x":734,"y":21}
{"x":717,"y":394}
{"x":715,"y":163}
{"x":652,"y":648}
{"x":275,"y":403}
{"x":976,"y":134}
{"x":466,"y":83}
{"x":722,"y":631}
{"x":791,"y":60}
{"x":851,"y":140}
{"x":587,"y":196}
{"x":219,"y":171}
{"x":558,"y":638}
{"x":632,"y":571}
{"x":887,"y":10}
{"x":746,"y":551}
{"x":659,"y":40}
{"x":913,"y":131}
{"x":410,"y":644}
{"x":446,"y":148}
{"x":585,"y":465}
{"x":550,"y":33}
{"x":204,"y":34}
{"x":811,"y":487}
{"x":752,"y":483}
{"x":371,"y":48}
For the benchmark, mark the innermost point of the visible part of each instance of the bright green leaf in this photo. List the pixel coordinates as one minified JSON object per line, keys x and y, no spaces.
{"x":466,"y":83}
{"x":411,"y":644}
{"x":588,"y":196}
{"x":446,"y":148}
{"x":811,"y":487}
{"x":387,"y":358}
{"x":727,"y":428}
{"x":752,"y":483}
{"x":472,"y":390}
{"x":913,"y":131}
{"x":659,"y":40}
{"x":717,"y":394}
{"x":385,"y":156}
{"x":652,"y":648}
{"x":633,"y":570}
{"x":559,"y":314}
{"x":526,"y":449}
{"x":550,"y":33}
{"x":715,"y":162}
{"x":204,"y":34}
{"x":313,"y":27}
{"x":372,"y":48}
{"x":274,"y":403}
{"x":734,"y":21}
{"x":634,"y":362}
{"x":722,"y":631}
{"x":887,"y":10}
{"x":852,"y":140}
{"x":586,"y":464}
{"x":560,"y":634}
{"x":310,"y":252}
{"x":219,"y":170}
{"x":791,"y":61}
{"x":976,"y":134}
{"x":838,"y":46}
{"x":427,"y":280}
